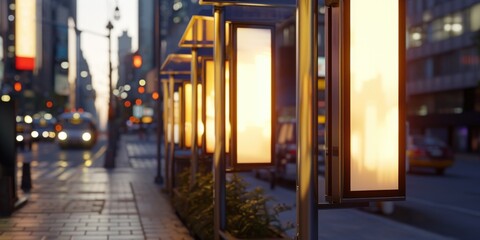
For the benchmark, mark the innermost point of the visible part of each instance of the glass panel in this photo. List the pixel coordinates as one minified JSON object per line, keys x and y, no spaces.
{"x":374,"y":83}
{"x":200,"y":127}
{"x":176,"y":117}
{"x":254,"y":95}
{"x":210,"y":107}
{"x":188,"y":114}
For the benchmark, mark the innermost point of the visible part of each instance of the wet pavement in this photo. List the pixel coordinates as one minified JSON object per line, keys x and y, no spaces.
{"x":74,"y":197}
{"x":90,"y":202}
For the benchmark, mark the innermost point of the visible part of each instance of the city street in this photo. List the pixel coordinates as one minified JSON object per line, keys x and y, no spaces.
{"x":437,"y":207}
{"x":444,"y":205}
{"x":75,"y":197}
{"x":52,"y":162}
{"x":447,"y":204}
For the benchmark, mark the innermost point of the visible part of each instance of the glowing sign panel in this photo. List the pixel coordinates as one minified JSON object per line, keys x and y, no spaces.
{"x":25,"y":34}
{"x":373,"y":46}
{"x":253,"y":100}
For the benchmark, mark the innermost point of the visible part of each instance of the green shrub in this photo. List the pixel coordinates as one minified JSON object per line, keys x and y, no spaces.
{"x":248,"y":214}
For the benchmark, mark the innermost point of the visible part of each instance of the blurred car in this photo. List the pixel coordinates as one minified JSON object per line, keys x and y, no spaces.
{"x":23,"y":131}
{"x":44,"y":127}
{"x":428,"y":152}
{"x":286,"y":151}
{"x":76,"y":129}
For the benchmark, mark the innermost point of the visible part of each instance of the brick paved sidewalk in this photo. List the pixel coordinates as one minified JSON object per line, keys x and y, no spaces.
{"x":95,"y":203}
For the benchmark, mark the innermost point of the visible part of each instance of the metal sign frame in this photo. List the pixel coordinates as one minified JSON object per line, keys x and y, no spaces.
{"x":339,"y":164}
{"x":233,"y":94}
{"x":257,"y":3}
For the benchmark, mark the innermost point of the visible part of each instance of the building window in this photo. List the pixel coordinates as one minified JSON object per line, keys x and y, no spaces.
{"x":416,"y":70}
{"x":449,"y":102}
{"x":475,"y":18}
{"x":447,"y":26}
{"x":416,"y":37}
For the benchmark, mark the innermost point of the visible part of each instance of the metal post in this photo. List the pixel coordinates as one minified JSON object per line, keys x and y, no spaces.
{"x":78,"y":89}
{"x":160,"y":120}
{"x":307,"y":178}
{"x":110,"y":159}
{"x":194,"y":147}
{"x":334,"y":101}
{"x":171,"y":151}
{"x":219,"y":153}
{"x":165,"y":123}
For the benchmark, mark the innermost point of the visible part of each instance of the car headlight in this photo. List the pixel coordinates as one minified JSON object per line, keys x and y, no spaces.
{"x":86,"y":136}
{"x":51,"y":134}
{"x":34,"y":134}
{"x":62,"y":135}
{"x":45,"y":134}
{"x":19,"y":138}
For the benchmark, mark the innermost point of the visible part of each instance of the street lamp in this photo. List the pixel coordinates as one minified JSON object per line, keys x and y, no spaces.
{"x":110,"y":157}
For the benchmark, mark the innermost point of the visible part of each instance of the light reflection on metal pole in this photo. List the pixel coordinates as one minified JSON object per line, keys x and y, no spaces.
{"x":219,"y":153}
{"x":171,"y":143}
{"x":307,"y":52}
{"x":194,"y":147}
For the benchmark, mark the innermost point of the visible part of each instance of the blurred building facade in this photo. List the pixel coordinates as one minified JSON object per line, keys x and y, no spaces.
{"x":443,"y":71}
{"x":124,"y":57}
{"x":51,"y":44}
{"x":52,"y":37}
{"x":146,"y":35}
{"x":86,"y":94}
{"x":3,"y":38}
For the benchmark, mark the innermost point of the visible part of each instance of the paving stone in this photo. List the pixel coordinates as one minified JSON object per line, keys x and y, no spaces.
{"x":93,"y":203}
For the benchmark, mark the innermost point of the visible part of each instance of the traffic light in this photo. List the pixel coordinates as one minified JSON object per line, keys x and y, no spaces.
{"x":155,"y":96}
{"x":137,"y":60}
{"x":49,"y":104}
{"x":17,"y":86}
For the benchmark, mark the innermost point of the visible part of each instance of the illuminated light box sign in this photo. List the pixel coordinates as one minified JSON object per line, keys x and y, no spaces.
{"x":25,"y":34}
{"x":252,"y":96}
{"x":373,"y":99}
{"x":209,"y":111}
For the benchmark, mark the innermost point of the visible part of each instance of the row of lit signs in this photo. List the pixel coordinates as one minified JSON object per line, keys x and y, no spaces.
{"x":368,"y":127}
{"x":252,"y":84}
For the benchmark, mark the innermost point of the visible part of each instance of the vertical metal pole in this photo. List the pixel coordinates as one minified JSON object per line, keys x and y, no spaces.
{"x":110,"y":156}
{"x":169,"y":165}
{"x":334,"y":118}
{"x":307,"y":51}
{"x":194,"y":147}
{"x":78,"y":84}
{"x":157,"y":42}
{"x":166,"y":118}
{"x":219,"y":192}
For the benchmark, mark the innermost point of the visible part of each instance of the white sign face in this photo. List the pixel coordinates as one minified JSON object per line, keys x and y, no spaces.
{"x":25,"y":34}
{"x":209,"y":126}
{"x":253,"y":86}
{"x":374,"y":95}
